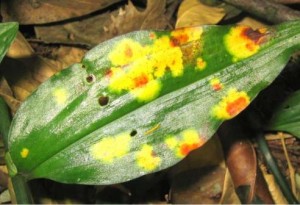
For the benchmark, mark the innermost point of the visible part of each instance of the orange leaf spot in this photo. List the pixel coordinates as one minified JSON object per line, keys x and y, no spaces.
{"x":108,"y":73}
{"x":152,"y":36}
{"x":185,"y":149}
{"x":254,"y":35}
{"x":128,"y":52}
{"x":235,"y":107}
{"x":217,"y":87}
{"x":178,"y":40}
{"x":141,"y":80}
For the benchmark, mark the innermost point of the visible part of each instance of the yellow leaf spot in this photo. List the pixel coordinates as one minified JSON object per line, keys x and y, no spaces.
{"x":110,"y":148}
{"x":190,"y":136}
{"x":171,"y":142}
{"x":201,"y":64}
{"x":147,"y":92}
{"x":146,"y":158}
{"x":138,"y":68}
{"x":216,"y":84}
{"x":60,"y":95}
{"x":126,"y":52}
{"x":24,"y":153}
{"x":242,"y":41}
{"x":189,"y":140}
{"x":231,"y":104}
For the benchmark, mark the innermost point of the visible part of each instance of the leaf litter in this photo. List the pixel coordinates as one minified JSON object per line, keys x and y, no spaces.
{"x":24,"y":70}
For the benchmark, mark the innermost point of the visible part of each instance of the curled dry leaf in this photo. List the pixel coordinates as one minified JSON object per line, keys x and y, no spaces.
{"x":242,"y":164}
{"x":193,"y":13}
{"x":273,"y":187}
{"x":229,"y":195}
{"x":46,"y":11}
{"x":107,"y":25}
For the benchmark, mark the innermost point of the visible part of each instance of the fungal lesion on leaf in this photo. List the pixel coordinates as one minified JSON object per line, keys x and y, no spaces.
{"x":24,"y":153}
{"x":90,"y":78}
{"x":103,"y":100}
{"x":133,"y":133}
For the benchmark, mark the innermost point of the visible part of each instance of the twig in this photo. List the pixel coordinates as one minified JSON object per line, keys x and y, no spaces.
{"x":290,"y":166}
{"x":263,"y":146}
{"x":268,"y":10}
{"x":287,"y":1}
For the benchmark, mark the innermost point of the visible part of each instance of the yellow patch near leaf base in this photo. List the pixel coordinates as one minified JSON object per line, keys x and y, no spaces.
{"x":60,"y":96}
{"x":146,"y":158}
{"x":24,"y":153}
{"x":110,"y":148}
{"x":231,"y":104}
{"x":242,"y":41}
{"x":189,"y":140}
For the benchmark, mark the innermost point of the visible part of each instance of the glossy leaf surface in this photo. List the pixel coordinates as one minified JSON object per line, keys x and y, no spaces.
{"x":8,"y":32}
{"x":139,"y":103}
{"x":287,"y":116}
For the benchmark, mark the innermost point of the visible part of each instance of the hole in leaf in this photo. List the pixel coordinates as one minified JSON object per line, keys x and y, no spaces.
{"x":90,"y":78}
{"x":133,"y":133}
{"x":103,"y":100}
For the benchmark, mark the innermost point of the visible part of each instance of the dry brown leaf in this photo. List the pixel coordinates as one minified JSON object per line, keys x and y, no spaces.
{"x":25,"y":71}
{"x":228,"y":195}
{"x":20,"y":48}
{"x":71,"y":33}
{"x":105,"y":26}
{"x":274,"y":189}
{"x":249,"y":21}
{"x":46,"y":11}
{"x":198,"y":186}
{"x":7,"y":95}
{"x":195,"y":13}
{"x":297,"y":180}
{"x":248,"y":181}
{"x":131,"y":18}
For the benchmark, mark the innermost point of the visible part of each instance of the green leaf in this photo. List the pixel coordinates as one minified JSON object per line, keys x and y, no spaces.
{"x":287,"y":116}
{"x":139,"y":103}
{"x":8,"y":32}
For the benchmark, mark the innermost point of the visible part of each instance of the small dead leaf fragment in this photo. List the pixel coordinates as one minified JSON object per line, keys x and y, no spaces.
{"x":273,"y":187}
{"x":195,"y":13}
